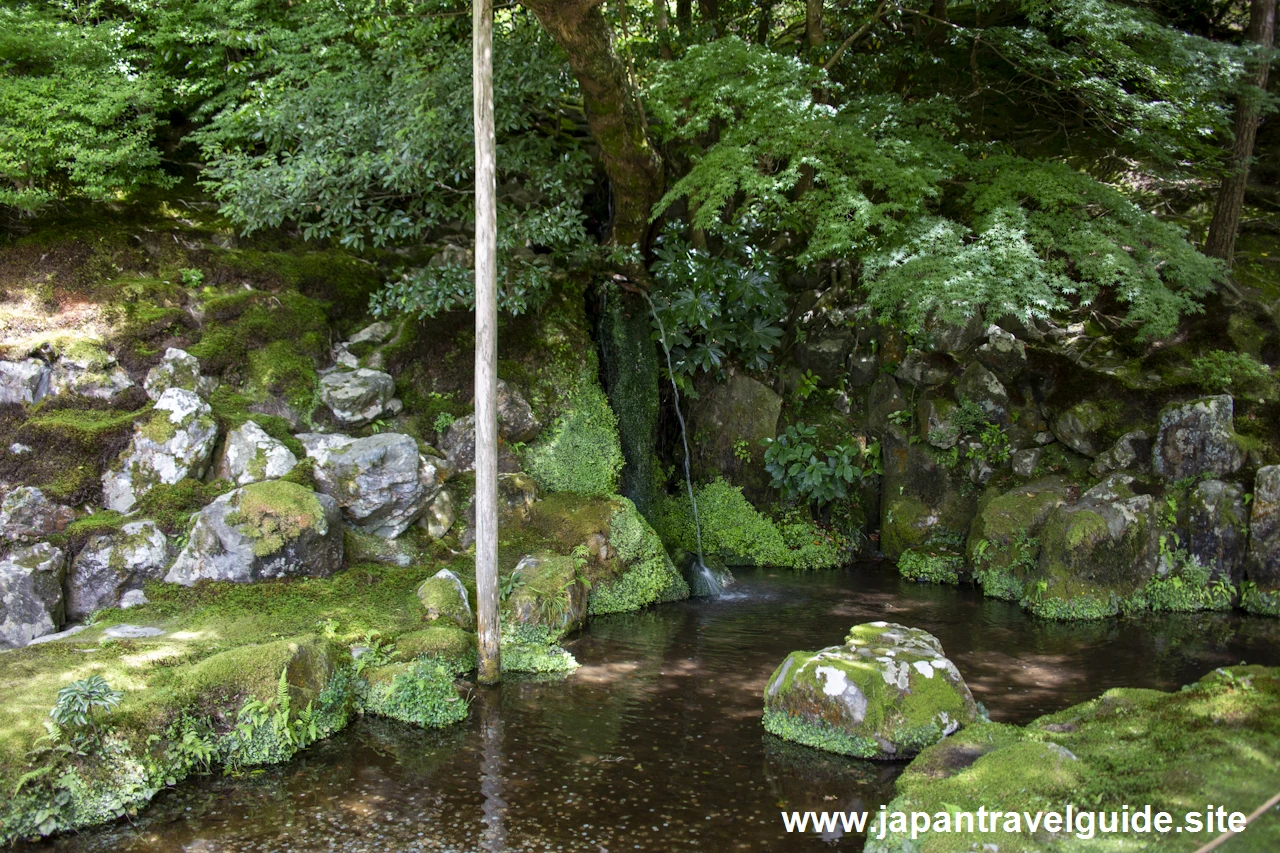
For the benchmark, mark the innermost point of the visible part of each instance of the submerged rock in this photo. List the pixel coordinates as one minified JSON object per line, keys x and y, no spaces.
{"x":887,"y":693}
{"x":175,"y":442}
{"x":1197,"y":438}
{"x":252,"y":455}
{"x":264,"y":530}
{"x":31,"y":603}
{"x":112,"y":564}
{"x":27,"y":515}
{"x":23,"y":381}
{"x":382,"y":483}
{"x":358,"y":397}
{"x":444,"y":597}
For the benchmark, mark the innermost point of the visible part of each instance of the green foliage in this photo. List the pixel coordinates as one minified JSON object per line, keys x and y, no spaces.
{"x":818,"y":736}
{"x":802,"y":470}
{"x":1188,"y":587}
{"x":80,"y":707}
{"x":715,"y":308}
{"x":1257,"y":601}
{"x":932,"y":565}
{"x":532,"y":649}
{"x":740,"y":535}
{"x":421,"y":693}
{"x":77,"y":113}
{"x":274,"y":512}
{"x":581,"y":451}
{"x":1232,"y":372}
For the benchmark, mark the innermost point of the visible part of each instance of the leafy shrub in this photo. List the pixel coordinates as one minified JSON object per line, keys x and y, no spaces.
{"x":79,"y":707}
{"x":802,"y":470}
{"x":717,"y":307}
{"x":1232,"y":372}
{"x":934,"y":566}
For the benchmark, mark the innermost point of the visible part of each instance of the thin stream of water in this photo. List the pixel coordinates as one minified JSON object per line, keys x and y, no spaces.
{"x":655,"y":744}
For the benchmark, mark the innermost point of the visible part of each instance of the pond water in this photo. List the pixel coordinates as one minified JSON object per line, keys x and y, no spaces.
{"x":655,"y":744}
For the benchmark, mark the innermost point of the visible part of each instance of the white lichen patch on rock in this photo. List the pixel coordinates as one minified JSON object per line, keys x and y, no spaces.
{"x":175,"y":442}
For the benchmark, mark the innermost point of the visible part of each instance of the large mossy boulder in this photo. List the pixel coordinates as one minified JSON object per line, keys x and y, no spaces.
{"x":1197,"y":438}
{"x":111,"y":564}
{"x":175,"y":442}
{"x":31,"y":602}
{"x":382,"y":483}
{"x":645,"y":574}
{"x":1214,"y":741}
{"x":548,"y":592}
{"x":1082,"y":427}
{"x":251,"y":455}
{"x":1003,"y":544}
{"x":887,"y":693}
{"x":923,"y":500}
{"x":265,"y":530}
{"x":421,"y":692}
{"x":728,"y":424}
{"x":1095,"y":553}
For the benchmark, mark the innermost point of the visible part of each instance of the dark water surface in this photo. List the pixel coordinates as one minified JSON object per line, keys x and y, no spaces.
{"x":655,"y":743}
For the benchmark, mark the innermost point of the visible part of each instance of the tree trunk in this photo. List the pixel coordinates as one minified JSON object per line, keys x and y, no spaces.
{"x":684,"y":15}
{"x":1221,"y":242}
{"x":664,"y":28}
{"x":764,"y":22}
{"x":813,"y":23}
{"x":486,"y":388}
{"x":613,"y":113}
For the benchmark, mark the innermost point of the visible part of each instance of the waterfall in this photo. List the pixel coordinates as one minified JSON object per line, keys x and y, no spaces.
{"x":710,"y":583}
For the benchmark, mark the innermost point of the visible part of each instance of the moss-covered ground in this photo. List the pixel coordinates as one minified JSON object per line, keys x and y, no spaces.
{"x":1216,"y":741}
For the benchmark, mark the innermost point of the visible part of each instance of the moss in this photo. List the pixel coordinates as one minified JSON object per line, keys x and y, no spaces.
{"x":231,"y":411}
{"x":421,"y":692}
{"x":1214,"y":742}
{"x":580,"y":452}
{"x":535,"y":654}
{"x":648,"y":576}
{"x":81,"y":530}
{"x":71,"y":447}
{"x":240,"y":323}
{"x":442,"y":600}
{"x":274,"y":512}
{"x":280,"y":368}
{"x":452,"y":646}
{"x":171,"y":505}
{"x":818,"y":736}
{"x":632,"y":377}
{"x":548,"y":591}
{"x":735,"y":531}
{"x":932,"y":565}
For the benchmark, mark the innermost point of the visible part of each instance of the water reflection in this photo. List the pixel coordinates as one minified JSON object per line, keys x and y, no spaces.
{"x":655,"y":743}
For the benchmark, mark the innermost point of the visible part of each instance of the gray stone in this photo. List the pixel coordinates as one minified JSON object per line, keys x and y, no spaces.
{"x":515,"y":417}
{"x":1219,"y":527}
{"x":921,"y":499}
{"x":1131,"y":452}
{"x":375,"y":333}
{"x":884,"y":398}
{"x":272,"y":529}
{"x":863,"y":370}
{"x":458,"y":443}
{"x":867,"y":698}
{"x":111,"y":564}
{"x":729,"y":421}
{"x":936,"y":416}
{"x":357,"y":397}
{"x":61,"y":635}
{"x":984,"y":388}
{"x":175,"y":442}
{"x":31,"y":602}
{"x":439,"y":516}
{"x":1024,"y":461}
{"x":1081,"y":428}
{"x":382,"y":483}
{"x":178,"y":369}
{"x":953,"y":337}
{"x":23,"y":381}
{"x":251,"y":455}
{"x":1263,"y":565}
{"x":133,"y":598}
{"x":88,"y":371}
{"x":27,"y":515}
{"x":131,"y":632}
{"x":1003,"y":354}
{"x":923,"y":370}
{"x":1197,"y":438}
{"x":825,"y":355}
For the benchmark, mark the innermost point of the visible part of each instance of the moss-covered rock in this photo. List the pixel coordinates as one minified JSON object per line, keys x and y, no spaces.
{"x":646,"y":576}
{"x":630,"y":361}
{"x":888,"y":692}
{"x":1213,"y":742}
{"x":421,"y":692}
{"x":1096,"y":553}
{"x":549,"y":591}
{"x":924,"y":497}
{"x":175,"y":441}
{"x":729,"y":423}
{"x":580,"y":452}
{"x":935,"y":565}
{"x":1197,"y":438}
{"x":445,"y":598}
{"x":1003,"y":544}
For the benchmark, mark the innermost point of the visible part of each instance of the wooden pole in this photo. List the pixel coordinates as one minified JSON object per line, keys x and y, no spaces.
{"x":486,"y":389}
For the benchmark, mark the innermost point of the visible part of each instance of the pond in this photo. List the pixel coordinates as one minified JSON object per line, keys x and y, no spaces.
{"x":655,"y":744}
